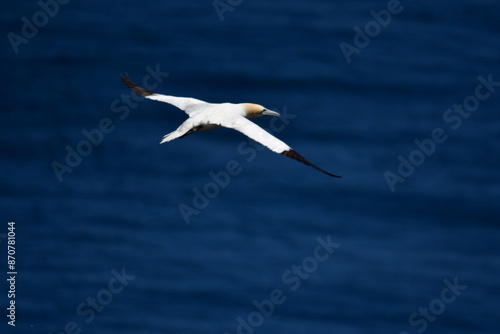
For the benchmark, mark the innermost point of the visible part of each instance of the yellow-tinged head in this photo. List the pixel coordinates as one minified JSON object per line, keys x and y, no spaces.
{"x":256,"y":110}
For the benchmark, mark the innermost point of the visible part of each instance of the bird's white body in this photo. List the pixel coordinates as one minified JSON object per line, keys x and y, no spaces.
{"x":208,"y":116}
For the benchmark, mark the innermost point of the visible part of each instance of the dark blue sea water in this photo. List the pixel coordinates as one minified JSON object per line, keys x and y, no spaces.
{"x":212,"y":234}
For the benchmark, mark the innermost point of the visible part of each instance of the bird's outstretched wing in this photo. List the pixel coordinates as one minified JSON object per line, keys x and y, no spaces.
{"x":187,"y":104}
{"x":263,"y":137}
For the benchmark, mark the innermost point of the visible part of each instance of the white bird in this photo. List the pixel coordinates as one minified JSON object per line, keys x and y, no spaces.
{"x":207,"y":116}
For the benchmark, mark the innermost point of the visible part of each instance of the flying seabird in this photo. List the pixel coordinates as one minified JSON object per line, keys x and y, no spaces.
{"x":208,"y":116}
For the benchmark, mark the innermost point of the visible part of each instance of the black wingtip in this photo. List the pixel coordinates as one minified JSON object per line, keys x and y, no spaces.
{"x":133,"y":87}
{"x":294,"y":155}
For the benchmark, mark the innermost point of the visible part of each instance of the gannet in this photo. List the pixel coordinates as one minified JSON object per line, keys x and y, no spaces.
{"x":208,"y":116}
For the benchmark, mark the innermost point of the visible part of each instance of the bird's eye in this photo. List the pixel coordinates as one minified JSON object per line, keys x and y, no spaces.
{"x":263,"y":110}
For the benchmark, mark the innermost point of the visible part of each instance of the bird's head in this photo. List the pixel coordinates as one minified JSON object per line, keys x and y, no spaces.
{"x":253,"y":110}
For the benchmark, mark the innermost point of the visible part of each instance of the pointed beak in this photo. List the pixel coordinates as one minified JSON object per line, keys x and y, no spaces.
{"x":270,"y":113}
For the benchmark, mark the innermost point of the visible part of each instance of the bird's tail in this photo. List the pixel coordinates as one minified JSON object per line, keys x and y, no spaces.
{"x":171,"y":136}
{"x":184,"y":129}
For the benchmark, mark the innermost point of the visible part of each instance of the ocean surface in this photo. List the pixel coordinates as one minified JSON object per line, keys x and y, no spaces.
{"x":115,"y":233}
